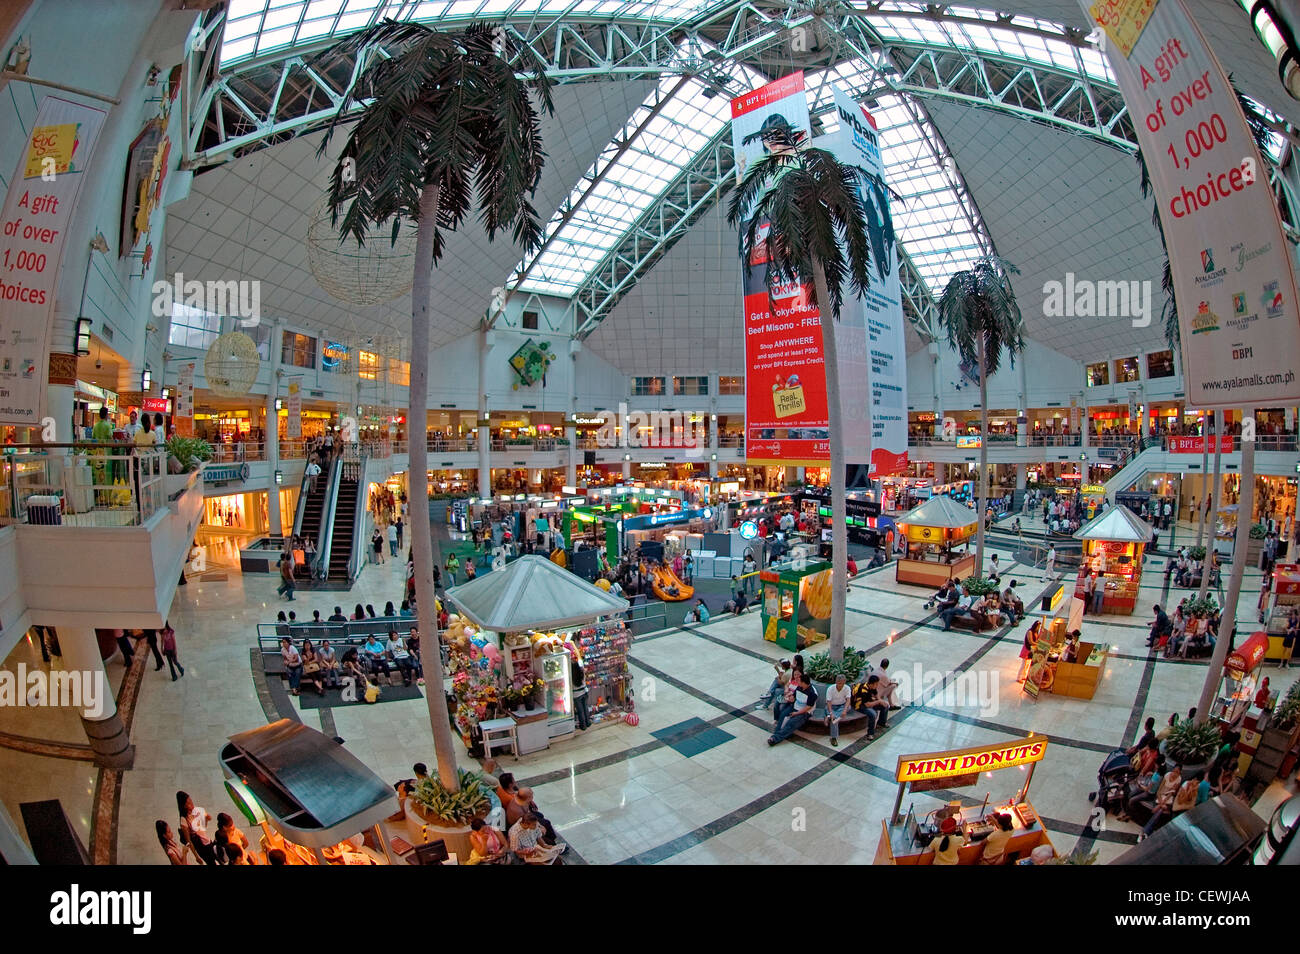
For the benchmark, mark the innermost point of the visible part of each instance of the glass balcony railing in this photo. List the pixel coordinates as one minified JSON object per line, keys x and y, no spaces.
{"x":83,"y":484}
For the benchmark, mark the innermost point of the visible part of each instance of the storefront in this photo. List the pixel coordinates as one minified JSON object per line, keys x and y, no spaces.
{"x":904,"y":840}
{"x":1240,"y":680}
{"x":246,"y":512}
{"x":1284,"y":598}
{"x":1113,"y":544}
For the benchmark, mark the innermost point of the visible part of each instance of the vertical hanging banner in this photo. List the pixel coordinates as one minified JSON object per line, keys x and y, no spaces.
{"x":884,"y":362}
{"x":293,"y":428}
{"x":183,"y":415}
{"x":786,"y":419}
{"x":38,"y":207}
{"x":1233,"y":277}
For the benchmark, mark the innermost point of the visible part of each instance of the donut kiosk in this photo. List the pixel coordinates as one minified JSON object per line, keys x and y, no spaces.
{"x":1113,"y":543}
{"x":932,"y":530}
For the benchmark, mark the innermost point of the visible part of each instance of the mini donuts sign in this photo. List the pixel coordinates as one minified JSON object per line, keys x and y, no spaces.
{"x":919,"y":768}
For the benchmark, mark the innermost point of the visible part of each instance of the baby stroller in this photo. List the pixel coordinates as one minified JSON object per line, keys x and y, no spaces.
{"x":1112,"y":782}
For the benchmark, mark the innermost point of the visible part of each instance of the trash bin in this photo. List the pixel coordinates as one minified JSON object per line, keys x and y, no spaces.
{"x":44,"y":509}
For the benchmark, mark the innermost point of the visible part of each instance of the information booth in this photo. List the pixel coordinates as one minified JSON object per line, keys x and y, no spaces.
{"x":931,"y":531}
{"x":905,"y":838}
{"x":1113,"y":543}
{"x":796,"y":605}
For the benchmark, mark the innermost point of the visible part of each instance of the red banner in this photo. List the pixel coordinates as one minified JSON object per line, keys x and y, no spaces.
{"x":1195,"y":445}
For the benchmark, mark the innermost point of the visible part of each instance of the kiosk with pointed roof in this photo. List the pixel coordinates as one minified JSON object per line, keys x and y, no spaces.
{"x":931,"y":531}
{"x":1113,"y":543}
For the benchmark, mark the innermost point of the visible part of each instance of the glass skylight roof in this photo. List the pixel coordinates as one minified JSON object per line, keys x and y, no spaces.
{"x":666,"y":143}
{"x":254,"y":27}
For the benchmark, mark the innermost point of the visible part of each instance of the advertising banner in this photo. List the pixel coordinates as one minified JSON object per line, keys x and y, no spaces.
{"x":293,"y":428}
{"x":1233,"y":278}
{"x":38,"y":207}
{"x":881,"y":309}
{"x":786,"y":417}
{"x":183,"y":418}
{"x":1194,"y":445}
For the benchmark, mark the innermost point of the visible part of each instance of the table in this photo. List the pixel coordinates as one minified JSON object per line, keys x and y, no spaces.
{"x":499,"y":733}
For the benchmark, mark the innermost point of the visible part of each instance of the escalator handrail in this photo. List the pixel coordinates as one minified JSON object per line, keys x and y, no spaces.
{"x":321,"y":569}
{"x":300,"y":511}
{"x":359,"y":539}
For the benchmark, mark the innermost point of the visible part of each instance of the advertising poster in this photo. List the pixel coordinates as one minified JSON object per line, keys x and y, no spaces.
{"x":38,"y":207}
{"x":293,"y":428}
{"x":880,"y":311}
{"x":785,"y":377}
{"x":1233,"y":277}
{"x":183,"y":418}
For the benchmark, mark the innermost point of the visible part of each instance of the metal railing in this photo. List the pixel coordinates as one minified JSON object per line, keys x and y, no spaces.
{"x":82,"y":484}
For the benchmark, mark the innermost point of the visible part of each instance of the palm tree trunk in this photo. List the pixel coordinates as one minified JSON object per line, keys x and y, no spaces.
{"x":1228,"y":621}
{"x":1214,"y":508}
{"x":839,"y":505}
{"x":984,"y":457}
{"x":421,"y":528}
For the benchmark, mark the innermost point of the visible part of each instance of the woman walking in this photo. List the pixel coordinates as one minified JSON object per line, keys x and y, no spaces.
{"x":169,"y":650}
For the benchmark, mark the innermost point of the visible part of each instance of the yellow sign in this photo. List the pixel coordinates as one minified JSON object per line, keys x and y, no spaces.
{"x":789,"y":401}
{"x":1056,"y":598}
{"x":1123,"y":20}
{"x":51,"y":142}
{"x":1093,"y":489}
{"x":916,"y":768}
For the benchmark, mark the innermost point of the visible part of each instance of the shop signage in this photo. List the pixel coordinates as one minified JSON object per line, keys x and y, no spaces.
{"x":37,"y":211}
{"x":969,"y":440}
{"x":749,"y":530}
{"x":1195,"y":445}
{"x":1231,"y":265}
{"x":1093,"y":489}
{"x":293,"y":408}
{"x":225,"y":473}
{"x":915,"y":768}
{"x":156,"y":405}
{"x":1249,"y":654}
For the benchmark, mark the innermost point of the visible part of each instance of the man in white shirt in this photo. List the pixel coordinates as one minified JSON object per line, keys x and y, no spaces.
{"x":392,"y":539}
{"x":1051,"y":559}
{"x":837,"y":703}
{"x":312,"y":471}
{"x":132,"y":426}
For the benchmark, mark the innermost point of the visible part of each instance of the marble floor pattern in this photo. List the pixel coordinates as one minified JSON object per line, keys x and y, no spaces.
{"x":618,"y":794}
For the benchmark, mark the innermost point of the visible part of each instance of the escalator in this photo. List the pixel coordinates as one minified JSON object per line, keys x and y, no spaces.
{"x":343,"y":537}
{"x":311,"y":509}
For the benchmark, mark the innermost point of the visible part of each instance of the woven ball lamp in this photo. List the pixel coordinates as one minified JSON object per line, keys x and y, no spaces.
{"x":367,"y":274}
{"x":230,"y":365}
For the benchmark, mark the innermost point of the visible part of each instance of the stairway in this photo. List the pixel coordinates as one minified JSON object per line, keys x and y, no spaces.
{"x":345,"y":512}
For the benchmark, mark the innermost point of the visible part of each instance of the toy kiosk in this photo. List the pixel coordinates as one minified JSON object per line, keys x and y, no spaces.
{"x":1112,"y":545}
{"x":905,"y":838}
{"x":1284,"y":597}
{"x":931,"y":531}
{"x":796,"y":605}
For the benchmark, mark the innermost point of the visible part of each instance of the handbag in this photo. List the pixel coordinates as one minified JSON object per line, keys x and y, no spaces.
{"x":311,"y":667}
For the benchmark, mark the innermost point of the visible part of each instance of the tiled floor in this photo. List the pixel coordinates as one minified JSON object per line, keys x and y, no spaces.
{"x":695,"y":781}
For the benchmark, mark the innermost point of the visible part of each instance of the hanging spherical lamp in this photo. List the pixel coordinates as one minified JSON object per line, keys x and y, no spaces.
{"x":366,"y":274}
{"x":230,"y":365}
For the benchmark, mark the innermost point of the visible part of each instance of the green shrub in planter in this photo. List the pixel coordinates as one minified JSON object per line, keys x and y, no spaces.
{"x":1206,"y":605}
{"x":1192,"y":744}
{"x":821,"y":668}
{"x":1258,"y":531}
{"x":190,"y":452}
{"x":1287,"y":712}
{"x":979,"y":586}
{"x":1196,"y":554}
{"x":453,"y":808}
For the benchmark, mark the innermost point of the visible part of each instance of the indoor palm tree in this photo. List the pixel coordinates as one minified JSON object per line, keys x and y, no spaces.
{"x":979,"y":312}
{"x":445,"y":126}
{"x":817,"y":236}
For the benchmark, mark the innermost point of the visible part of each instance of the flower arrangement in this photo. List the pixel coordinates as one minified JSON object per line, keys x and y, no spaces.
{"x":521,"y":691}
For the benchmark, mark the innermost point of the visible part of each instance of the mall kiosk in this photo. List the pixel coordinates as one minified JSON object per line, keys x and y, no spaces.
{"x":931,"y":531}
{"x":1113,"y":543}
{"x":1240,"y":680}
{"x":796,"y":603}
{"x":1284,"y":597}
{"x":905,"y":837}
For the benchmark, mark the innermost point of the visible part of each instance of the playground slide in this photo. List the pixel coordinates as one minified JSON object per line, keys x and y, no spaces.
{"x":662,"y":579}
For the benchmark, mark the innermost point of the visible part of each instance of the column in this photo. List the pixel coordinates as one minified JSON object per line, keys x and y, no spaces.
{"x":627,"y":469}
{"x":1146,"y":415}
{"x":273,"y":517}
{"x":713,"y":445}
{"x":932,"y":349}
{"x":571,"y":432}
{"x":105,"y":731}
{"x":1022,"y":476}
{"x":1083,"y":422}
{"x":485,"y":342}
{"x":1022,"y":416}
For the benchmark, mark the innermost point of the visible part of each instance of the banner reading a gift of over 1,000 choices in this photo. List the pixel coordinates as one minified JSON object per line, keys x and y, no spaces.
{"x":1231,"y":265}
{"x":880,"y":310}
{"x":786,"y":410}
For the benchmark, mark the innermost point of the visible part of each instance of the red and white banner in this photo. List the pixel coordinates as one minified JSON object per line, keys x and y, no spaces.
{"x":1233,"y":277}
{"x":183,"y":418}
{"x":786,"y":416}
{"x":41,"y":199}
{"x":1195,"y":445}
{"x":293,"y":425}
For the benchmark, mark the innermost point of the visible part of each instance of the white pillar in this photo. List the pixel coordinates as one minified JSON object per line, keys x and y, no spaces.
{"x":1022,"y":475}
{"x":627,"y":469}
{"x":1022,"y":416}
{"x":932,"y":349}
{"x":713,"y":445}
{"x":1083,"y":422}
{"x":104,"y":730}
{"x":485,"y":341}
{"x":570,"y":408}
{"x":274,"y":520}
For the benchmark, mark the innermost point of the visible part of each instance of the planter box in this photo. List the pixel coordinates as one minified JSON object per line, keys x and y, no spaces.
{"x":421,"y":831}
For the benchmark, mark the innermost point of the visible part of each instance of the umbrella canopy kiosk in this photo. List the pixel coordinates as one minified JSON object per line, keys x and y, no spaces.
{"x":1113,"y":543}
{"x":311,"y":790}
{"x":1240,"y":679}
{"x":932,"y":530}
{"x":533,"y":596}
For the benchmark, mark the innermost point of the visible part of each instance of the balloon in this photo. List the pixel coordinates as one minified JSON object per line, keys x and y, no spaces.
{"x":478,"y":640}
{"x":492,"y":653}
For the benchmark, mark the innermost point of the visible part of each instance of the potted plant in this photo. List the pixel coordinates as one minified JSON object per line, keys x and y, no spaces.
{"x":822,"y":670}
{"x":1193,"y":746}
{"x":187,"y":453}
{"x":433,"y":812}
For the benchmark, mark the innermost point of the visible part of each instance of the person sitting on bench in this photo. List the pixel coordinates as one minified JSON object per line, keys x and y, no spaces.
{"x":961,"y":607}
